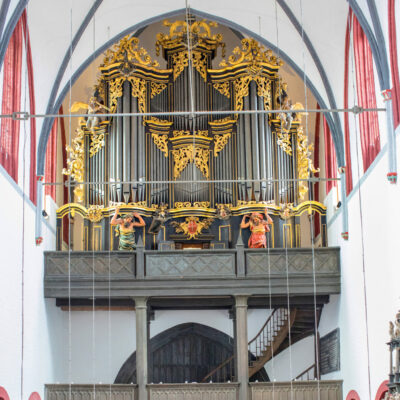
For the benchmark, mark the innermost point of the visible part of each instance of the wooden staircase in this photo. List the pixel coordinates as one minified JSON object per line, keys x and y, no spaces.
{"x":262,"y":347}
{"x":270,"y":337}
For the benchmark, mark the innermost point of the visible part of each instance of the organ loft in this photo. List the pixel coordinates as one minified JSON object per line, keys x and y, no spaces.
{"x":198,"y":159}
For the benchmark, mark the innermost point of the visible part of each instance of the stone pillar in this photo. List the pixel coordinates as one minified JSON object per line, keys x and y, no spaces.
{"x":242,"y":352}
{"x":141,"y":346}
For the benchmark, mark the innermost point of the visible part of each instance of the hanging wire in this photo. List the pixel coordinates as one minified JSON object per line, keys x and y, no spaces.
{"x":109,"y":285}
{"x":356,"y":131}
{"x":70,"y":224}
{"x":190,"y":71}
{"x":93,"y":262}
{"x":311,"y":188}
{"x":284,"y":231}
{"x":23,"y":220}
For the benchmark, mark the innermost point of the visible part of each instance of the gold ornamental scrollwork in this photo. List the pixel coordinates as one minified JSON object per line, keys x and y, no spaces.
{"x":97,"y":142}
{"x":220,"y":142}
{"x":181,"y":61}
{"x":128,"y":50}
{"x":156,"y":88}
{"x":304,"y":162}
{"x":190,"y":153}
{"x":284,"y":141}
{"x":192,"y":227}
{"x":264,"y":90}
{"x":199,"y":33}
{"x":254,"y":53}
{"x":76,"y":162}
{"x":241,"y":86}
{"x":94,"y":213}
{"x":139,"y":91}
{"x":116,"y":86}
{"x":223,"y":88}
{"x":188,"y":204}
{"x":161,"y":141}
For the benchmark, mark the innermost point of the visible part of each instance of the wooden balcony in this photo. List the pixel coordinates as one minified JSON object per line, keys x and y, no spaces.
{"x":256,"y":272}
{"x":328,"y":390}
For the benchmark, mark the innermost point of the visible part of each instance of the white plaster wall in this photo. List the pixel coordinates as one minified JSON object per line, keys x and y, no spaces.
{"x":34,"y":344}
{"x":376,"y":235}
{"x":291,"y":362}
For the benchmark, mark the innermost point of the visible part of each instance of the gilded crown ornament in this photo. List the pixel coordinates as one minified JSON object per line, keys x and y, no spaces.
{"x":190,"y":34}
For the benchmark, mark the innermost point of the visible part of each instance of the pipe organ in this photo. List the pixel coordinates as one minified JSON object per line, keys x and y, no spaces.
{"x":190,"y":162}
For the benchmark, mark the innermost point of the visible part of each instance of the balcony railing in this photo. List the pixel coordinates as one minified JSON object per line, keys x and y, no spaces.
{"x":331,"y":390}
{"x":193,"y":272}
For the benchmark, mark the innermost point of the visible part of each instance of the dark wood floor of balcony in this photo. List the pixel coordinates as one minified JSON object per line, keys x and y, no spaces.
{"x":254,"y":272}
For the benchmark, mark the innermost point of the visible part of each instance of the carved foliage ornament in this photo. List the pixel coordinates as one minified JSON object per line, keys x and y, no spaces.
{"x":190,"y":33}
{"x":127,"y":50}
{"x":304,"y":162}
{"x":138,"y":90}
{"x":254,"y":53}
{"x":76,"y":162}
{"x":181,"y":61}
{"x":190,"y":153}
{"x":220,"y":142}
{"x":192,"y":226}
{"x":161,"y":141}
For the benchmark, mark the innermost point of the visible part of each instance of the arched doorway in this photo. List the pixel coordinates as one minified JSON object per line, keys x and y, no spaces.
{"x":185,"y":353}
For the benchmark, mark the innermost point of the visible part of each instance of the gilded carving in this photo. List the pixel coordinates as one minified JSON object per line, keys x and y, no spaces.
{"x":304,"y":162}
{"x":127,"y":51}
{"x":161,"y":141}
{"x":223,"y":88}
{"x":192,"y":226}
{"x":181,"y":61}
{"x":76,"y":162}
{"x":264,"y":90}
{"x":188,"y":133}
{"x":284,"y":141}
{"x":199,"y":33}
{"x":115,"y":91}
{"x":241,"y":86}
{"x":220,"y":142}
{"x":190,"y":153}
{"x":156,"y":88}
{"x":255,"y":54}
{"x":94,"y":213}
{"x":139,"y":91}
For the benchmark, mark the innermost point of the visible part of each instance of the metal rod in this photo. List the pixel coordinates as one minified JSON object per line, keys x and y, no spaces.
{"x":312,"y":180}
{"x":355,"y":110}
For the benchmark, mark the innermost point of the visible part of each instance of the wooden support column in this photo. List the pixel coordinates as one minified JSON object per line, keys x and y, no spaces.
{"x":242,"y":353}
{"x":141,"y":346}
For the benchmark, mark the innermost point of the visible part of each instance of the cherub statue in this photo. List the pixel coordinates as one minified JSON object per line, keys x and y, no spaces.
{"x":223,"y":212}
{"x":258,"y":228}
{"x":160,"y":217}
{"x":126,"y":229}
{"x":93,"y":107}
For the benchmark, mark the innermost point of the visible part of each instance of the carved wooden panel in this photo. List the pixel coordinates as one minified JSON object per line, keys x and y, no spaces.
{"x":190,"y":265}
{"x":90,"y":392}
{"x":87,"y":263}
{"x":194,"y":391}
{"x":294,"y":261}
{"x":326,"y":390}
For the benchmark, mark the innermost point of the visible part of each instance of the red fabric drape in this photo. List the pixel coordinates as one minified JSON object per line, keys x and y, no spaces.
{"x":32,"y":175}
{"x":369,"y":126}
{"x":349,"y":175}
{"x":330,"y":158}
{"x":65,"y":178}
{"x":317,"y":225}
{"x":11,"y":101}
{"x":51,"y":161}
{"x":394,"y":66}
